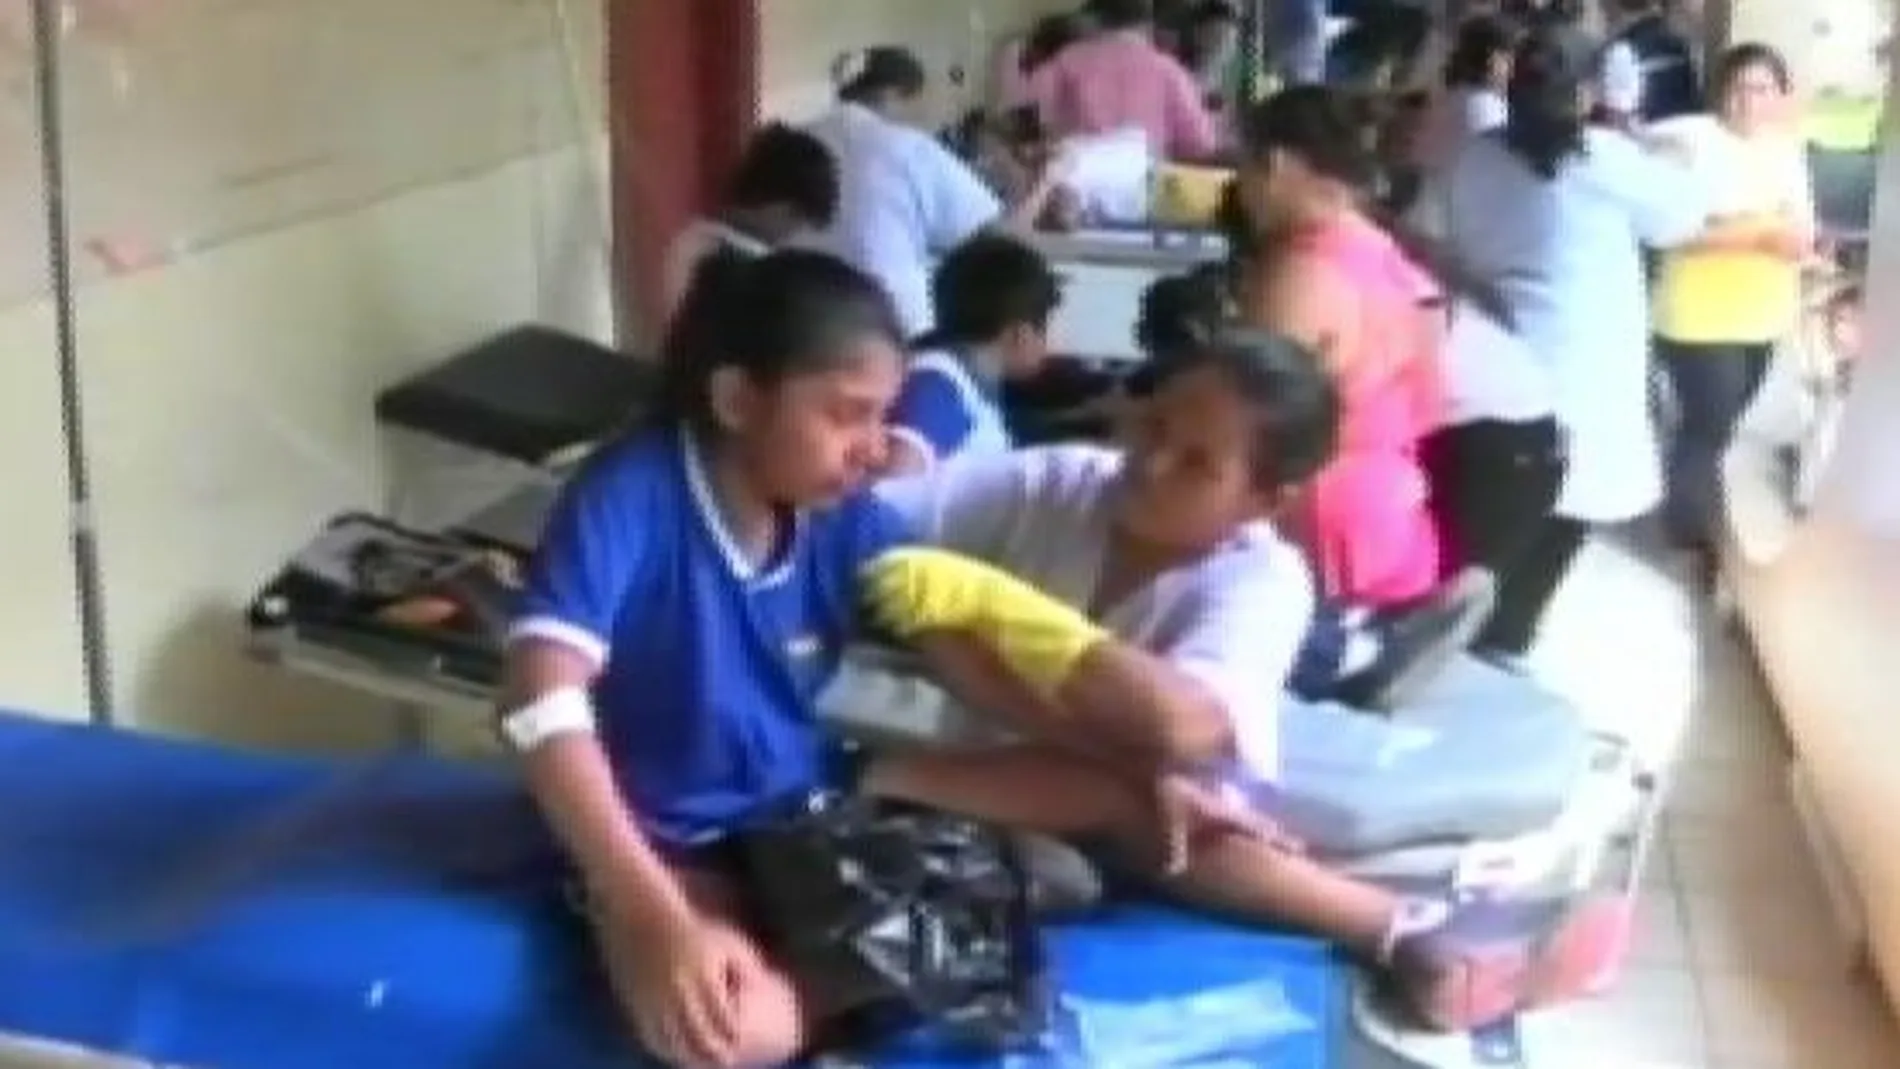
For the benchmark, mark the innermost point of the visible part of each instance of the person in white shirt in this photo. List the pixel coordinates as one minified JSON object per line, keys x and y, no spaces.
{"x":1554,"y":212}
{"x":786,"y":186}
{"x":994,"y":298}
{"x":1781,"y":447}
{"x":1170,"y":547}
{"x":905,"y":198}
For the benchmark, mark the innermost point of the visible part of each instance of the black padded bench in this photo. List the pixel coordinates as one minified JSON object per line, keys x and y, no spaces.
{"x":527,"y":395}
{"x":502,"y":415}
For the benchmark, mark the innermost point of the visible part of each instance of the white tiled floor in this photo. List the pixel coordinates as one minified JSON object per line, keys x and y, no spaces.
{"x":1738,"y":964}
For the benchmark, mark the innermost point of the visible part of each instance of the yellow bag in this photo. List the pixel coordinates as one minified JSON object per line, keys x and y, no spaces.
{"x":1188,"y":196}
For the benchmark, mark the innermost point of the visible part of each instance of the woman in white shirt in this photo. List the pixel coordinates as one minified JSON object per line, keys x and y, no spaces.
{"x":1169,"y":545}
{"x":905,"y":198}
{"x":1555,"y":213}
{"x":786,"y":187}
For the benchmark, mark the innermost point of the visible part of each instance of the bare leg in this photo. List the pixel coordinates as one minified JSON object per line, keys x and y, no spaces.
{"x":1026,"y":788}
{"x":1049,"y":792}
{"x":771,"y":1013}
{"x":1450,"y":978}
{"x":1258,"y":882}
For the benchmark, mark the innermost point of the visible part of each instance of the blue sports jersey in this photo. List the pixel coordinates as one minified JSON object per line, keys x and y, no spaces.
{"x":944,"y":410}
{"x":710,"y":664}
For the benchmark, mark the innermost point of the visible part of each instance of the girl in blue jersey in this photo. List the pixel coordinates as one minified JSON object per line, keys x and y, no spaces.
{"x":693,"y":591}
{"x":994,"y":296}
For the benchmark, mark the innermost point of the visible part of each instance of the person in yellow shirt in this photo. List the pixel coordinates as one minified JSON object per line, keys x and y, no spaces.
{"x":1722,"y":301}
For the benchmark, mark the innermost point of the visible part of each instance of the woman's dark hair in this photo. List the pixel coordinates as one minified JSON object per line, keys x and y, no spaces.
{"x":1182,"y":312}
{"x":1213,"y":12}
{"x":1546,"y":117}
{"x":783,"y":165}
{"x":1288,"y":389}
{"x":1481,"y":39}
{"x":1050,"y":36}
{"x":871,"y":75}
{"x":1238,"y":229}
{"x":1387,"y":35}
{"x":987,"y":285}
{"x":1121,"y":14}
{"x":1322,"y":126}
{"x":1734,"y":62}
{"x":1205,"y":14}
{"x":772,"y":317}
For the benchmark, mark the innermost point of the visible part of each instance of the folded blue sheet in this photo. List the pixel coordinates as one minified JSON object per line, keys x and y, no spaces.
{"x":194,"y":906}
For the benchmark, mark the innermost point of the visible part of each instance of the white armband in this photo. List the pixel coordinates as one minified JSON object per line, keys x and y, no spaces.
{"x":564,"y":711}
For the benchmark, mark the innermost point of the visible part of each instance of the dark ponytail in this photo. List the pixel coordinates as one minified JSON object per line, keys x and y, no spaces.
{"x":1547,"y":120}
{"x":873,"y":75}
{"x":1331,"y":131}
{"x":773,"y":318}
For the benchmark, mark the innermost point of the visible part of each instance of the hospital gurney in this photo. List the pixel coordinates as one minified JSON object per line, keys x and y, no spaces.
{"x":183,"y":905}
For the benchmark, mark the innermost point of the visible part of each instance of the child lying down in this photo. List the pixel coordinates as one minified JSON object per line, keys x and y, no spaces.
{"x":1168,"y":545}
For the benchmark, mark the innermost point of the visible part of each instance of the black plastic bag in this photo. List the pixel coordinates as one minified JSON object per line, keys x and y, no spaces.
{"x":899,"y":916}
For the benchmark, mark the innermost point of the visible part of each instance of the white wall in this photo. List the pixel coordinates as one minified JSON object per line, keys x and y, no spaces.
{"x":1862,"y":490}
{"x":229,"y":380}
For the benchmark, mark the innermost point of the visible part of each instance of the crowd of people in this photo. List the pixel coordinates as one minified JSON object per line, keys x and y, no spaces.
{"x":1376,"y":436}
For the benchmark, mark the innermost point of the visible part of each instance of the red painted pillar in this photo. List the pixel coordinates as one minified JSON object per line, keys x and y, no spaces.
{"x":683,"y":94}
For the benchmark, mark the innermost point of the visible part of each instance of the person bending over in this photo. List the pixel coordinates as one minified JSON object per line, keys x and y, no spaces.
{"x":1170,"y":545}
{"x":1119,"y":78}
{"x":994,"y":297}
{"x":786,"y":187}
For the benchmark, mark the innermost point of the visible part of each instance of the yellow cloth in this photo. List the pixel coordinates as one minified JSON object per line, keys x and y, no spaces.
{"x":1719,"y":296}
{"x":1188,"y":196}
{"x":913,"y":590}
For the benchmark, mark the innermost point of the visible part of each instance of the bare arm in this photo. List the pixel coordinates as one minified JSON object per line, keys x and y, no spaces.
{"x":1121,"y":705}
{"x":573,"y":785}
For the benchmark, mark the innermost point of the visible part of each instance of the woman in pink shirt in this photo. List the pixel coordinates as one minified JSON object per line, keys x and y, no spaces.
{"x":1331,"y":278}
{"x":1119,"y":78}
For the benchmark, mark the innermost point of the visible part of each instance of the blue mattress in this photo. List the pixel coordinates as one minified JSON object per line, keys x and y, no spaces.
{"x":194,"y":906}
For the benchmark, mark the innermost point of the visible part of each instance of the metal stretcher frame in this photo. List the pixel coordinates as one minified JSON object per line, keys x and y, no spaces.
{"x":413,"y":694}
